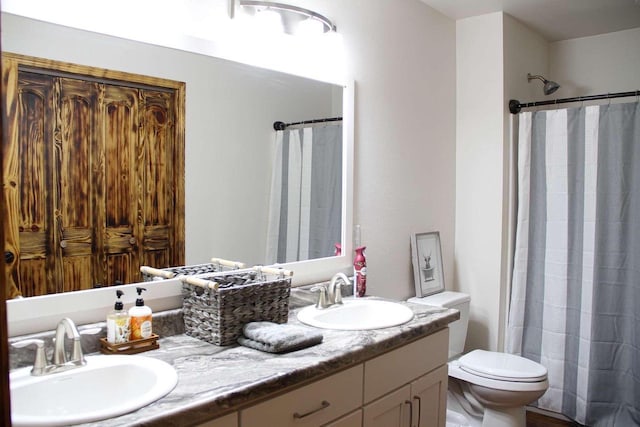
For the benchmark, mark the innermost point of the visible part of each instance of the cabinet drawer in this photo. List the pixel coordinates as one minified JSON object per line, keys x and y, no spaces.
{"x":398,"y":367}
{"x":311,"y":405}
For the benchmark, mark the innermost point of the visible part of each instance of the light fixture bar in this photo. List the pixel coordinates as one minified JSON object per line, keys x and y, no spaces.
{"x":328,"y":25}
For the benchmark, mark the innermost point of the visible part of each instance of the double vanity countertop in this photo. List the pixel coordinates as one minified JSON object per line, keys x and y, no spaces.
{"x":214,"y":380}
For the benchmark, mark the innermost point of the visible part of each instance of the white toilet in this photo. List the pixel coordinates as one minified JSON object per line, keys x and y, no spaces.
{"x":486,"y":388}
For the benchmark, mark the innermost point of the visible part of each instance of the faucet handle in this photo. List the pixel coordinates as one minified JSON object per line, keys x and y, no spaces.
{"x":40,"y":363}
{"x":322,"y":298}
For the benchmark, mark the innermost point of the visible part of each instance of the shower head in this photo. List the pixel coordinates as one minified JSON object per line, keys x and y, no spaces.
{"x":549,"y":86}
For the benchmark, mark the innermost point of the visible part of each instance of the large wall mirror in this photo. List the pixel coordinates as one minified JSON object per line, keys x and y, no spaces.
{"x":229,"y":150}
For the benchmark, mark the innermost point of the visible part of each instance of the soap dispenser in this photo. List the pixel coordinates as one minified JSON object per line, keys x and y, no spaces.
{"x":118,"y":322}
{"x":140,"y":318}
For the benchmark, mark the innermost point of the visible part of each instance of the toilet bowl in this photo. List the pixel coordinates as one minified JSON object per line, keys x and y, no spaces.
{"x":486,"y":388}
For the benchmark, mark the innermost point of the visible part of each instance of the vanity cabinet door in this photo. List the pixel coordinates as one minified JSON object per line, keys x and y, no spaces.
{"x":392,"y":410}
{"x":429,"y":398}
{"x":313,"y":405}
{"x":403,"y":365}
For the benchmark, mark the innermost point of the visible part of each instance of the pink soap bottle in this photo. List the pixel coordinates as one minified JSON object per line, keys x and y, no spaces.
{"x":360,"y":272}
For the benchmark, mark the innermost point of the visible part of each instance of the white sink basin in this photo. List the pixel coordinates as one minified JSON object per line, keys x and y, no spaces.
{"x":106,"y":387}
{"x":357,"y":314}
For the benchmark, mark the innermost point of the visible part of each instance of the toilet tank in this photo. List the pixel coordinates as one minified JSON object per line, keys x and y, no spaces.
{"x":457,"y":329}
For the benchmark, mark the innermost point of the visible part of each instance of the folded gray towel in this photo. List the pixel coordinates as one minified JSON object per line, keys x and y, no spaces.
{"x":276,"y":338}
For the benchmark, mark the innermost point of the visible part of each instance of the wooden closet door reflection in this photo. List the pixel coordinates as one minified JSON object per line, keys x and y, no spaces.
{"x":77,"y":193}
{"x":157,"y":177}
{"x":93,"y":175}
{"x":30,"y":217}
{"x":119,"y":254}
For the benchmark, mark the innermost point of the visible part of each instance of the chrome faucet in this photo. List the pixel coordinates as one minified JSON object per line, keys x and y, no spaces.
{"x":331,"y":294}
{"x":68,"y":328}
{"x":335,"y":287}
{"x":65,"y":327}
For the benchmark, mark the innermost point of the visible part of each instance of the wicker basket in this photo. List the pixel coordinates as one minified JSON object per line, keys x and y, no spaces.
{"x":217,"y":306}
{"x":216,"y":265}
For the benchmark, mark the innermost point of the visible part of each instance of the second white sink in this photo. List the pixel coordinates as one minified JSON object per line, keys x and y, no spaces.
{"x":106,"y":387}
{"x":357,"y":314}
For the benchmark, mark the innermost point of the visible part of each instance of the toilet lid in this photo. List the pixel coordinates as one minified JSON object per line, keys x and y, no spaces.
{"x":502,"y":366}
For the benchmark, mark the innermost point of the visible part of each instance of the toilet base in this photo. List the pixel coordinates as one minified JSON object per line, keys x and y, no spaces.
{"x":504,"y":417}
{"x":460,"y":400}
{"x":459,"y":413}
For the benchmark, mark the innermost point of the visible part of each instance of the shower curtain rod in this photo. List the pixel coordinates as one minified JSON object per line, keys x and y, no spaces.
{"x":283,"y":125}
{"x":515,"y":106}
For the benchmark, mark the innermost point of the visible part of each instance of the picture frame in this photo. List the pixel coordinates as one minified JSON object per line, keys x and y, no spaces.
{"x":426,"y":256}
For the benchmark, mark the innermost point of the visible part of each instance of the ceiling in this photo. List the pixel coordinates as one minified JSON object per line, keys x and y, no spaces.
{"x":553,"y":19}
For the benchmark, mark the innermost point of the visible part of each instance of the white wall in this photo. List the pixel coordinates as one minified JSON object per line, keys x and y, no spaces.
{"x":525,"y":51}
{"x":479,"y":172}
{"x":598,"y":64}
{"x":402,"y":56}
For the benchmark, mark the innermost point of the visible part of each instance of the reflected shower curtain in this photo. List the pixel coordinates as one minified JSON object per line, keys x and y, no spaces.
{"x":575,"y":302}
{"x":305,"y":209}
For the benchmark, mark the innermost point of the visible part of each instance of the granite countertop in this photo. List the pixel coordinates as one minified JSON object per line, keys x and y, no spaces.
{"x":215,"y":380}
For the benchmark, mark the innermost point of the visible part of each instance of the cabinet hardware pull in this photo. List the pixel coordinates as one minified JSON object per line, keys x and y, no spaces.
{"x":323,"y":405}
{"x":419,"y":408}
{"x":132,"y":241}
{"x":410,"y":403}
{"x":63,"y":244}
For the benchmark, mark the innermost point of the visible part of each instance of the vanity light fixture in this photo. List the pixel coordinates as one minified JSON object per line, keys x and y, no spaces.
{"x":294,"y":19}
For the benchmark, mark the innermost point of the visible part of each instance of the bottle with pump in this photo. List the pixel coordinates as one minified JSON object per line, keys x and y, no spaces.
{"x":140,"y":318}
{"x":118,"y":322}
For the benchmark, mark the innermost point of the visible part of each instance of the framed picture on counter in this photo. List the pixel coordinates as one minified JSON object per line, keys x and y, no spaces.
{"x":426,"y":256}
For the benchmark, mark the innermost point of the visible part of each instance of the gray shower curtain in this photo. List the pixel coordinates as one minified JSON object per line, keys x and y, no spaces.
{"x":575,"y":302}
{"x":305,"y":212}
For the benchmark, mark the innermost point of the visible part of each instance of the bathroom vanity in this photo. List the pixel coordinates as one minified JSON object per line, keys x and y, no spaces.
{"x":382,"y":377}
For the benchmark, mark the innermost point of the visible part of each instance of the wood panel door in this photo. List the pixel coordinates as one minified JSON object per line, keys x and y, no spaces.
{"x":94,"y":177}
{"x":118,"y":175}
{"x":158,"y":166}
{"x":31,"y":215}
{"x":75,"y":190}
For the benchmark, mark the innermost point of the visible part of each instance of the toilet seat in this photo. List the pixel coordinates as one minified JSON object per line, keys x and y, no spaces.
{"x":502,"y":366}
{"x":455,"y":371}
{"x":500,"y":371}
